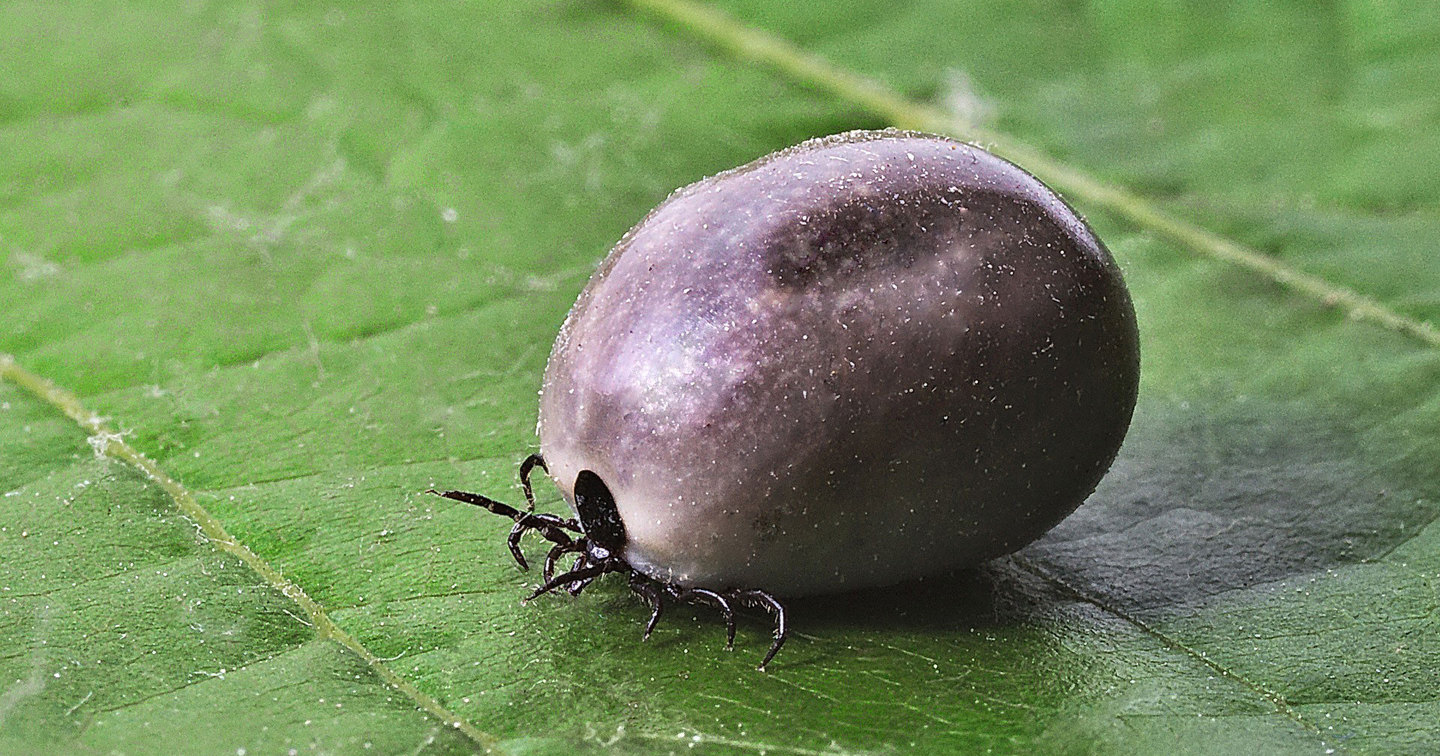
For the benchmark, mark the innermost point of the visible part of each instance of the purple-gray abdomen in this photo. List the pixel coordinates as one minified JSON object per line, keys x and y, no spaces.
{"x":863,"y":359}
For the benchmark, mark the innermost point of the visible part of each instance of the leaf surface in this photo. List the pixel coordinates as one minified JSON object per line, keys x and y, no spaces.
{"x":309,"y":260}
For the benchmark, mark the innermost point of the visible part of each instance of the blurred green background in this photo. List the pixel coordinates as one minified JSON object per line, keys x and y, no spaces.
{"x":308,"y":259}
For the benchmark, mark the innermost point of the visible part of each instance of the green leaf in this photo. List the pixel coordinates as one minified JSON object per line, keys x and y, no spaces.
{"x":269,"y":272}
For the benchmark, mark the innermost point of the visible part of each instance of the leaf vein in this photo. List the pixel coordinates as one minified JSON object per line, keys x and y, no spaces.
{"x":1276,"y":700}
{"x":106,"y":441}
{"x":754,"y":45}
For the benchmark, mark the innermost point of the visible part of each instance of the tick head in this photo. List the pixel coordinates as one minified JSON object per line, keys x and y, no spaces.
{"x":598,"y":516}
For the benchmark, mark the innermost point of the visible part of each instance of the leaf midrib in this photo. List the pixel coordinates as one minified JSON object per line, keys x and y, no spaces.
{"x":112,"y":445}
{"x":1275,"y":699}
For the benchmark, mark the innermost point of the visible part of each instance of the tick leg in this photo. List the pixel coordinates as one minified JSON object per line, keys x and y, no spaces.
{"x":561,"y":549}
{"x":531,"y":462}
{"x":703,"y":595}
{"x":586,"y":574}
{"x":514,"y":543}
{"x":551,"y":526}
{"x":576,"y":587}
{"x":484,"y":502}
{"x":652,"y":596}
{"x":547,"y":525}
{"x":772,"y":605}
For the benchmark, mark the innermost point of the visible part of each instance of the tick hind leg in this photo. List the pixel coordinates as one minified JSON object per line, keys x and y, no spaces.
{"x":702,"y":596}
{"x":763,"y":600}
{"x":655,"y":594}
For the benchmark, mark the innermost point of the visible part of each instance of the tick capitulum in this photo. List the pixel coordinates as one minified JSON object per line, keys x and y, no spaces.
{"x":597,"y":538}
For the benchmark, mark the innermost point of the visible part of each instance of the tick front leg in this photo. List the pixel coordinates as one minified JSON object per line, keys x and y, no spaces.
{"x":530,"y":463}
{"x":561,"y":549}
{"x":552,"y":527}
{"x":484,"y":502}
{"x":547,"y":525}
{"x":582,"y":575}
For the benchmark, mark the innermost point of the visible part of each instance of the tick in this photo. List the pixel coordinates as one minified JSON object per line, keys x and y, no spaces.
{"x":864,"y":359}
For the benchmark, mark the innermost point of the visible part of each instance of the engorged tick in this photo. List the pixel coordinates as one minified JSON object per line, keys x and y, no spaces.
{"x":861,"y":360}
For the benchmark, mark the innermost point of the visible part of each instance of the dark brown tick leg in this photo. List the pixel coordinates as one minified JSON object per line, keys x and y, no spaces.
{"x":550,"y":526}
{"x":576,"y":587}
{"x":513,"y":541}
{"x":653,"y":597}
{"x":561,"y":549}
{"x":585,"y":574}
{"x":530,"y":463}
{"x":706,"y":596}
{"x":771,"y":604}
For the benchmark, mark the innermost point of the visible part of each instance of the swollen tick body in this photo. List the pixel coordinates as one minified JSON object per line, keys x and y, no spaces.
{"x":861,"y":360}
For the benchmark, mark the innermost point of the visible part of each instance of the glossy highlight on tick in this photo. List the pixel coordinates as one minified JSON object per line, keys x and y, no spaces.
{"x":865,"y":359}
